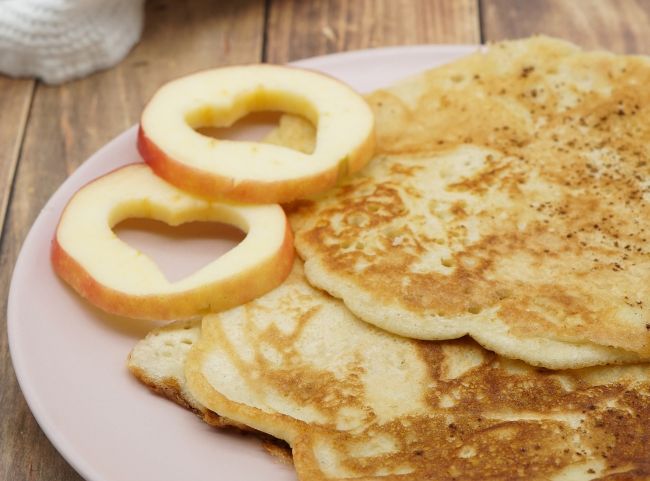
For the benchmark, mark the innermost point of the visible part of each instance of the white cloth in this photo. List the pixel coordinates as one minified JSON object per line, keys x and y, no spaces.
{"x":57,"y":40}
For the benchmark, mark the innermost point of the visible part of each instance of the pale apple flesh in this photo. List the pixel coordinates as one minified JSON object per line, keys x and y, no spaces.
{"x":212,"y":185}
{"x":250,"y":171}
{"x":118,"y":279}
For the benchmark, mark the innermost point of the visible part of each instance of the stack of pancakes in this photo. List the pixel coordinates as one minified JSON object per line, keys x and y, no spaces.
{"x":473,"y":304}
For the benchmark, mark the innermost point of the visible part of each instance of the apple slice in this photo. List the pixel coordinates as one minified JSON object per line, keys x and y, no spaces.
{"x":110,"y":274}
{"x":251,"y":171}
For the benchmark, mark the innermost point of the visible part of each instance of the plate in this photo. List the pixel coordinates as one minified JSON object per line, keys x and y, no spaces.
{"x":70,"y":358}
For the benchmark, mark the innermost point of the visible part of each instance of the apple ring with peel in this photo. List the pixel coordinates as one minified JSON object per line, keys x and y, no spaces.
{"x":252,"y":171}
{"x":119,"y":279}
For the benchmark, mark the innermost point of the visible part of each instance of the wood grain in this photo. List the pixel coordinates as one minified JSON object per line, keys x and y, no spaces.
{"x":617,"y":25}
{"x":67,"y":124}
{"x":299,"y":29}
{"x":14,"y":105}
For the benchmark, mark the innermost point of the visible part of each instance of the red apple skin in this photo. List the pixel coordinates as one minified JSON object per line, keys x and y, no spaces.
{"x":213,"y":186}
{"x":211,"y":297}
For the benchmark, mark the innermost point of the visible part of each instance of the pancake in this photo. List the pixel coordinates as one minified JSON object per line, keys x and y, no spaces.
{"x":158,"y":361}
{"x":356,"y":402}
{"x":509,"y":199}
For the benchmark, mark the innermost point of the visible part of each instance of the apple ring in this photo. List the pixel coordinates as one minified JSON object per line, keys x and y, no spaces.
{"x":119,"y":279}
{"x":252,"y":171}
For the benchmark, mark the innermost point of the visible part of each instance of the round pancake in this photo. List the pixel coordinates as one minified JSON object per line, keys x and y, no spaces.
{"x":158,"y":361}
{"x":356,"y":402}
{"x":509,"y":199}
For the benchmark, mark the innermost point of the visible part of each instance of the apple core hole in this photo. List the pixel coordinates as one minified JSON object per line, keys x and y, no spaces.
{"x":296,"y":133}
{"x":179,"y":251}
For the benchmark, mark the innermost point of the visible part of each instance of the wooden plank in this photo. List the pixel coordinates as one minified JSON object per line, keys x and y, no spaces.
{"x":68,"y":123}
{"x":299,"y":29}
{"x":14,"y":104}
{"x":617,"y":25}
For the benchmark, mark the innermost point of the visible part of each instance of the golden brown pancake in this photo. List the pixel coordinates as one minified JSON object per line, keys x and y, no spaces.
{"x":509,"y":199}
{"x":356,"y":402}
{"x":158,"y":361}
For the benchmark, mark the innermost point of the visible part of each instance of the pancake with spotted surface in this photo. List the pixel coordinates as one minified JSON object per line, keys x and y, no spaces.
{"x":509,"y":199}
{"x":356,"y":402}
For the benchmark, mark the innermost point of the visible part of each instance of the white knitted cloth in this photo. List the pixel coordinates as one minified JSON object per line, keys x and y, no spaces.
{"x":57,"y":40}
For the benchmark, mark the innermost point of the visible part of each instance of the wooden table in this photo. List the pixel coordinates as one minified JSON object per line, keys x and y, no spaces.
{"x":46,"y":132}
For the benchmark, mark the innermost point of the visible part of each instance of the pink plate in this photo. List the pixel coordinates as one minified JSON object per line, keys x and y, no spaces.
{"x":70,"y":358}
